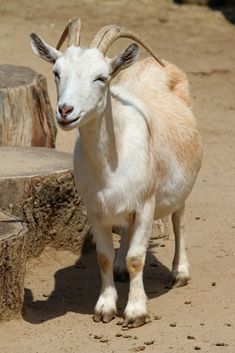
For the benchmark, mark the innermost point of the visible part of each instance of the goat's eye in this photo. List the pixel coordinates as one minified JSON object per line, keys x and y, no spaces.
{"x":101,"y":79}
{"x":57,"y":75}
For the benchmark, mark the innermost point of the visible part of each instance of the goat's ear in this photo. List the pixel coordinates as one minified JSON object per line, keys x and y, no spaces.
{"x":43,"y":50}
{"x":125,"y":59}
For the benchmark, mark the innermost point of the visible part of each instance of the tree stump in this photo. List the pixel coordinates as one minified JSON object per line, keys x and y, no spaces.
{"x":26,"y":116}
{"x":37,"y":185}
{"x":13,"y":240}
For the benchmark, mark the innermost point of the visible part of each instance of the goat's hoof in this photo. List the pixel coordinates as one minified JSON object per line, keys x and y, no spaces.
{"x":105,"y":317}
{"x":179,"y":280}
{"x":120,"y":275}
{"x":138,"y":321}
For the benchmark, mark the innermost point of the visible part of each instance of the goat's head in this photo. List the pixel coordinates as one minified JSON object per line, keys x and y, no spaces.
{"x":82,"y":75}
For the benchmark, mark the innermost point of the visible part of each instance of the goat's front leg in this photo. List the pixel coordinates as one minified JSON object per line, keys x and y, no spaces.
{"x":105,"y":308}
{"x":136,"y":310}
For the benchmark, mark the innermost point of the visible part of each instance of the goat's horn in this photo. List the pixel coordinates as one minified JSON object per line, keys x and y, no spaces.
{"x":109,"y":34}
{"x":72,"y":31}
{"x":99,"y":37}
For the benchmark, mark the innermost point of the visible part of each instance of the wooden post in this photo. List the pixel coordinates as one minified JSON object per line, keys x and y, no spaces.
{"x":13,"y":240}
{"x":26,"y":116}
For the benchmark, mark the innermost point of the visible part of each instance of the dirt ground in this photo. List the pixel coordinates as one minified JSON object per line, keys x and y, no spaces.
{"x":61,"y":290}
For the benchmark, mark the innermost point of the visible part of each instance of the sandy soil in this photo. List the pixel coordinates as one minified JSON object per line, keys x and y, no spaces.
{"x":61,"y":290}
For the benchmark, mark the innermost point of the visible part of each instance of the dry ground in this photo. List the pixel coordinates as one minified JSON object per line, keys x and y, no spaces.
{"x":60,"y":289}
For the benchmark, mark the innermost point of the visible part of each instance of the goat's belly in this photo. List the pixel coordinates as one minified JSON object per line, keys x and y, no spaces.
{"x":112,"y":209}
{"x":171,"y":196}
{"x":164,"y":209}
{"x":117,"y":201}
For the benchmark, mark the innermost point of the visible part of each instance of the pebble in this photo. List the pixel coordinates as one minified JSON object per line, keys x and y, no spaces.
{"x":118,"y":335}
{"x":97,"y":337}
{"x":191,"y":338}
{"x":157,"y":317}
{"x":148,"y":343}
{"x":221,"y":344}
{"x":163,"y":20}
{"x":213,"y":284}
{"x":197,"y":348}
{"x":104,"y":340}
{"x":173,"y":324}
{"x":187,"y":302}
{"x":125,"y":328}
{"x":139,"y":349}
{"x":126,"y":336}
{"x":228,"y":325}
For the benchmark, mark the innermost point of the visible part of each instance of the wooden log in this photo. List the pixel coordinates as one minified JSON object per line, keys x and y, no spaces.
{"x":13,"y":240}
{"x":26,"y":116}
{"x":37,"y":185}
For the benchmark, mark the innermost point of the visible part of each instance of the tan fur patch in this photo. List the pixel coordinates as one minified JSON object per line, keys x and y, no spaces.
{"x":103,"y":262}
{"x":178,"y":82}
{"x":135,"y":264}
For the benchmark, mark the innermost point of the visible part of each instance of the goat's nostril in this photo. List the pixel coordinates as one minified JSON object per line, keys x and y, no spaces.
{"x":60,"y":110}
{"x":68,"y":110}
{"x":65,"y":110}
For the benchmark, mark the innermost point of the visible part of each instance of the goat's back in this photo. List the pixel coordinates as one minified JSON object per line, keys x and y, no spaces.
{"x":148,"y":73}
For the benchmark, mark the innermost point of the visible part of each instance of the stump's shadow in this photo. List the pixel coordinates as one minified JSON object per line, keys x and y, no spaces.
{"x":77,"y":288}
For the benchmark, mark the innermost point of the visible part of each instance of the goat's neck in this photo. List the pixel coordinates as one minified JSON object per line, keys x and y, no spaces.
{"x":98,"y":140}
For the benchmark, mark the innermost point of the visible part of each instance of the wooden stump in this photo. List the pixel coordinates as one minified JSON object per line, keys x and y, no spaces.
{"x":13,"y":240}
{"x":26,"y":116}
{"x":39,"y":185}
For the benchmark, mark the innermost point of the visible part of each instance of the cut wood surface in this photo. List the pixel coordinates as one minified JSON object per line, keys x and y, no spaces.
{"x":13,"y":240}
{"x":37,"y":185}
{"x":26,"y":116}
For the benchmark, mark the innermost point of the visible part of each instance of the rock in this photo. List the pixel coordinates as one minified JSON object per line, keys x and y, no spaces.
{"x":173,"y":324}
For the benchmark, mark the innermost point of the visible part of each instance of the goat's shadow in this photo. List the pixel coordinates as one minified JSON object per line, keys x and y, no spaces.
{"x":77,"y":289}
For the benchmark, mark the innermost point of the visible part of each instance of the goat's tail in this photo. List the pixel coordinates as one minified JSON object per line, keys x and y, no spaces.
{"x":178,"y":82}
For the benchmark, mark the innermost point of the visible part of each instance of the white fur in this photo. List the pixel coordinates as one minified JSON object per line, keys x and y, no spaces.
{"x":136,"y":158}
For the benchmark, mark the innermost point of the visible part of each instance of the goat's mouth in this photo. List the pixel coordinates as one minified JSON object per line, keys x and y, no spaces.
{"x":66,"y":123}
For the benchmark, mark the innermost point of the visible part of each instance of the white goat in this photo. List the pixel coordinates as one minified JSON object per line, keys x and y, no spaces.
{"x":136,"y":157}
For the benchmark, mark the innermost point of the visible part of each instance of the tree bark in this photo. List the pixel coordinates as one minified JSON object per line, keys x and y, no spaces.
{"x":13,"y":240}
{"x":26,"y":116}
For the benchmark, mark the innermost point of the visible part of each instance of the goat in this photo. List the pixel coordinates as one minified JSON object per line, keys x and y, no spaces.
{"x":137,"y":155}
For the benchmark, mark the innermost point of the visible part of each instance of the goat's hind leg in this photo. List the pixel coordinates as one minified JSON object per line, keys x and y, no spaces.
{"x":105,"y":308}
{"x":180,"y":268}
